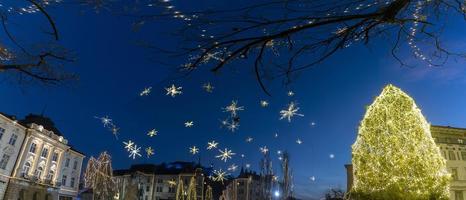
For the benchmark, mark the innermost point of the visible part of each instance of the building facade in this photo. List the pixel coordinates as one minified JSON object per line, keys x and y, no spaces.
{"x":35,"y":158}
{"x":244,"y":187}
{"x":159,"y":182}
{"x":452,"y":144}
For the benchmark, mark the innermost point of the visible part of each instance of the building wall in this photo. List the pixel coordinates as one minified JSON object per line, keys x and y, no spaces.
{"x":34,"y":164}
{"x":70,"y":173}
{"x":156,"y":186}
{"x":242,"y":189}
{"x":9,"y":129}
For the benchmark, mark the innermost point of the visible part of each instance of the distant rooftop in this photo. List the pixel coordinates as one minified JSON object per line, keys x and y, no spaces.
{"x":164,"y":168}
{"x":46,"y":122}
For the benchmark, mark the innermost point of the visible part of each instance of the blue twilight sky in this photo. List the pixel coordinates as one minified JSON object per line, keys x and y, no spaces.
{"x":113,"y":70}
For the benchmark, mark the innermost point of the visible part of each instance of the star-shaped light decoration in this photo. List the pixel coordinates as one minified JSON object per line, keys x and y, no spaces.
{"x":128,"y":145}
{"x":194,"y":150}
{"x":171,"y":183}
{"x":212,"y":145}
{"x":208,"y":87}
{"x":134,"y":152}
{"x":232,"y":167}
{"x":289,"y":112}
{"x":264,"y":103}
{"x":233,"y":108}
{"x":220,"y":175}
{"x":299,"y":141}
{"x":152,"y":133}
{"x":146,"y":91}
{"x":249,"y":139}
{"x":225,"y":154}
{"x":264,"y":149}
{"x":331,"y":156}
{"x":290,"y":93}
{"x":149,"y":152}
{"x":189,"y":124}
{"x":115,"y":130}
{"x":233,"y":126}
{"x":173,"y":90}
{"x":106,"y":121}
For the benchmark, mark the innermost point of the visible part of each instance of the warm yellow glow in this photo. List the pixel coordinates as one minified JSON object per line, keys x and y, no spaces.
{"x":395,"y":156}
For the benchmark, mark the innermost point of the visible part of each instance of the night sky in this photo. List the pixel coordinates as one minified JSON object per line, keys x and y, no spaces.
{"x":113,"y":70}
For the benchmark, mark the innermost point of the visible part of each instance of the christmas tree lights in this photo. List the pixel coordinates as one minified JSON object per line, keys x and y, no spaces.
{"x":395,"y":156}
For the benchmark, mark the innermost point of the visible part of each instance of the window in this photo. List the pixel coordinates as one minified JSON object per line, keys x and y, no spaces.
{"x":159,"y":189}
{"x":459,"y":195}
{"x":50,"y":175}
{"x":4,"y":161}
{"x":171,"y":189}
{"x":55,"y":156}
{"x":147,"y":188}
{"x":26,"y":168}
{"x":13,"y":139}
{"x":32,"y":149}
{"x":159,"y":180}
{"x":2,"y":131}
{"x":454,"y":173}
{"x":75,"y":164}
{"x":63,"y":180}
{"x":45,"y":153}
{"x":72,"y":182}
{"x":39,"y":172}
{"x":451,"y":154}
{"x":67,"y":162}
{"x":463,"y":155}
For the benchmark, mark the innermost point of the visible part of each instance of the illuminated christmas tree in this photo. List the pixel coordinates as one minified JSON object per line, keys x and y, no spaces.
{"x":192,"y":195}
{"x":180,"y":191}
{"x":208,"y":193}
{"x":395,"y":156}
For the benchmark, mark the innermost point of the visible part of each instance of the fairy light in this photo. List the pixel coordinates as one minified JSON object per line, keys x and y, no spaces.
{"x":394,"y":149}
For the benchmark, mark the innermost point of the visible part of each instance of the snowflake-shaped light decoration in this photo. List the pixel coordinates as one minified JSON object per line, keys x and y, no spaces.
{"x":264,"y":103}
{"x":264,"y":149}
{"x":212,"y":145}
{"x":299,"y":141}
{"x":232,"y":126}
{"x":145,"y":92}
{"x":128,"y":145}
{"x":233,"y":108}
{"x":134,"y":152}
{"x":106,"y":121}
{"x":193,"y":150}
{"x":233,"y":167}
{"x":290,"y":111}
{"x":220,"y":175}
{"x":225,"y":154}
{"x":152,"y":133}
{"x":149,"y":151}
{"x":189,"y":124}
{"x":172,"y":183}
{"x":208,"y":87}
{"x":249,"y":139}
{"x":173,"y":90}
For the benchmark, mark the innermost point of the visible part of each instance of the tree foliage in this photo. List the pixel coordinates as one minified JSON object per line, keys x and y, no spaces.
{"x":395,"y":156}
{"x":281,"y":38}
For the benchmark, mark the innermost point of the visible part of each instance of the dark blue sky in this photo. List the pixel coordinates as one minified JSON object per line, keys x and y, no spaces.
{"x":113,"y":70}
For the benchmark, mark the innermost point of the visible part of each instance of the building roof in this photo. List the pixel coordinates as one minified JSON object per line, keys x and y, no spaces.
{"x":178,"y":167}
{"x":46,"y":122}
